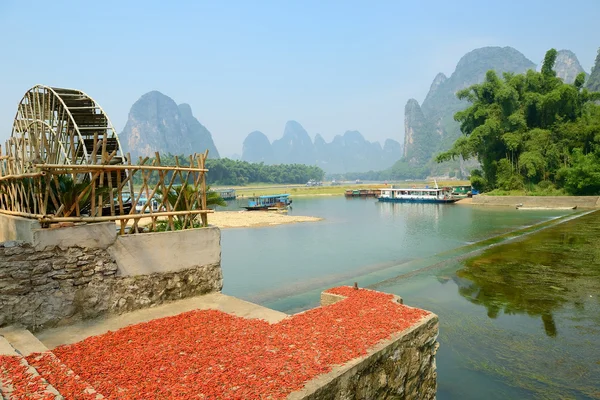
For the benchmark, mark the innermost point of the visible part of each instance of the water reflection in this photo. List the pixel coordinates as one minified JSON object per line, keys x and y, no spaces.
{"x":417,"y":217}
{"x":539,"y":275}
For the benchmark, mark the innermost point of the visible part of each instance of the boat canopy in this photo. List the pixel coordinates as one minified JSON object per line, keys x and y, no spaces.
{"x":415,"y":190}
{"x":273,"y":196}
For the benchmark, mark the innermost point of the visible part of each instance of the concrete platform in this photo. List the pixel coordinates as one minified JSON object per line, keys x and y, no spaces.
{"x":22,"y":340}
{"x":52,"y":338}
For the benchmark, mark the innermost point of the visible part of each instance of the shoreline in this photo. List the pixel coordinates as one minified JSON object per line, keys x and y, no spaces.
{"x":243,"y":219}
{"x":549,"y":202}
{"x":255,"y":219}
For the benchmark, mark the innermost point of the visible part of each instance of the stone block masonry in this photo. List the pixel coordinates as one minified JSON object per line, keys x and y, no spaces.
{"x":56,"y":286}
{"x":401,"y":367}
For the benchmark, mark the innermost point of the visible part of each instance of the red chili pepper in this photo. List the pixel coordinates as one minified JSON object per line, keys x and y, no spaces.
{"x":213,"y":355}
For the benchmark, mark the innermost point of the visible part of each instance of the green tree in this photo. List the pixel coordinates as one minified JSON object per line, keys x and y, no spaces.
{"x":524,"y":128}
{"x":583,"y":177}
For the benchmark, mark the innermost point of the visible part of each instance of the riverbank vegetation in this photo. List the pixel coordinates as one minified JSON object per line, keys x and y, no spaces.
{"x":328,"y":190}
{"x":531,"y":131}
{"x":225,"y":171}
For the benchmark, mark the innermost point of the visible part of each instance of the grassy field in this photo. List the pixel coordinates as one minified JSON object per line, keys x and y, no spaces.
{"x":302,"y":190}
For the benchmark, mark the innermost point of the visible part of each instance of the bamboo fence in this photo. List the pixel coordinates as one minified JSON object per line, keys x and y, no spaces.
{"x":103,"y":190}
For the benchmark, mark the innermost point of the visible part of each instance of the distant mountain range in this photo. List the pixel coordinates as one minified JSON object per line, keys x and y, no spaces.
{"x":157,"y":123}
{"x":347,"y":152}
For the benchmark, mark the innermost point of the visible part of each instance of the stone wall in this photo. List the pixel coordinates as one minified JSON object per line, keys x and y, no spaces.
{"x":538,"y":201}
{"x":402,"y":367}
{"x":55,"y":286}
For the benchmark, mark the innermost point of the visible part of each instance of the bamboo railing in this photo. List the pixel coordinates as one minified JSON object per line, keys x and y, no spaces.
{"x":126,"y":193}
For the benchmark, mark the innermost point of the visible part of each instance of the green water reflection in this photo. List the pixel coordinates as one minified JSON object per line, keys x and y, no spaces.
{"x":538,"y":275}
{"x":530,"y":327}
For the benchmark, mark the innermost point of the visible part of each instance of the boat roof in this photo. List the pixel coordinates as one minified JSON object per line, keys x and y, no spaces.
{"x":413,"y":189}
{"x":272,"y":196}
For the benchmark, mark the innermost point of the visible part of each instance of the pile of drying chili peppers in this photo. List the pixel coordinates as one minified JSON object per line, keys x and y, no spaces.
{"x":211,"y":354}
{"x":63,"y":379}
{"x":15,"y":374}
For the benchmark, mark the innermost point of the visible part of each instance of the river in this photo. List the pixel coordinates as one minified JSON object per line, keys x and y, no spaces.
{"x":517,"y":320}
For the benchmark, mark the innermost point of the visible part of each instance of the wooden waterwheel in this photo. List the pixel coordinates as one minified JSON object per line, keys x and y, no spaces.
{"x":61,"y":126}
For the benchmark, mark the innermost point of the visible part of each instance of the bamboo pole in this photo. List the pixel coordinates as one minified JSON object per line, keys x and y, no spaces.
{"x":21,"y":176}
{"x":120,"y":199}
{"x":86,"y":189}
{"x":130,"y":174}
{"x":203,"y":184}
{"x":22,"y":214}
{"x":148,"y":198}
{"x":48,"y":179}
{"x":116,"y":217}
{"x":115,"y":167}
{"x":165,"y":194}
{"x":104,"y":159}
{"x":144,"y":185}
{"x":92,"y":160}
{"x":59,"y":207}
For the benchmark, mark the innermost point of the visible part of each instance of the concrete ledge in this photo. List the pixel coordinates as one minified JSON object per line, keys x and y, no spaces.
{"x":538,"y":201}
{"x":17,"y":228}
{"x":166,"y":251}
{"x":92,"y":236}
{"x":213,"y":301}
{"x":22,"y":340}
{"x":332,"y":298}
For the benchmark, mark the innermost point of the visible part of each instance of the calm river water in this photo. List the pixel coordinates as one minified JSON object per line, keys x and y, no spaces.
{"x":520,"y":320}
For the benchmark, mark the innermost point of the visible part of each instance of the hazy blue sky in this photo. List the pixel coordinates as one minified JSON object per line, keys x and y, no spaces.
{"x":252,"y":65}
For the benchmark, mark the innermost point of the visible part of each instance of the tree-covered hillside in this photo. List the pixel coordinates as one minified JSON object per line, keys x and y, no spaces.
{"x":531,"y":129}
{"x":593,"y":82}
{"x":224,"y":171}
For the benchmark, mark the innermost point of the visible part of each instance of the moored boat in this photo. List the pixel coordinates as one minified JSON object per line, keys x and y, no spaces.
{"x":269,"y":203}
{"x":362,"y":193}
{"x":418,"y":195}
{"x":227,"y":194}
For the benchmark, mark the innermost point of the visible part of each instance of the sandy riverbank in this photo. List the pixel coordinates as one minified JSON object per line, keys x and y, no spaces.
{"x":247,"y":219}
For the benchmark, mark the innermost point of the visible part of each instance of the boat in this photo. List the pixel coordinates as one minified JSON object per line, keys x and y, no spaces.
{"x":273,"y":202}
{"x":418,"y":195}
{"x":362,"y":193}
{"x":226,"y":194}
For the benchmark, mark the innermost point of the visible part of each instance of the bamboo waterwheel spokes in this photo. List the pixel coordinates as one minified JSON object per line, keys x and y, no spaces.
{"x":61,"y":126}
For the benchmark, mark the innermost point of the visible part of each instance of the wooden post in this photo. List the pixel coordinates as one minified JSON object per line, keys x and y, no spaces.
{"x":203,"y":186}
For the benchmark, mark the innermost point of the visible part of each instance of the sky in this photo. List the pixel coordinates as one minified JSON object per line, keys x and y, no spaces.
{"x":332,"y":65}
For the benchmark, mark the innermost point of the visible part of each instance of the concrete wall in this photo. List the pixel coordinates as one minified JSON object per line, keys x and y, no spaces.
{"x":17,"y":228}
{"x":92,"y":236}
{"x":137,"y":254}
{"x":166,"y":251}
{"x":538,"y":201}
